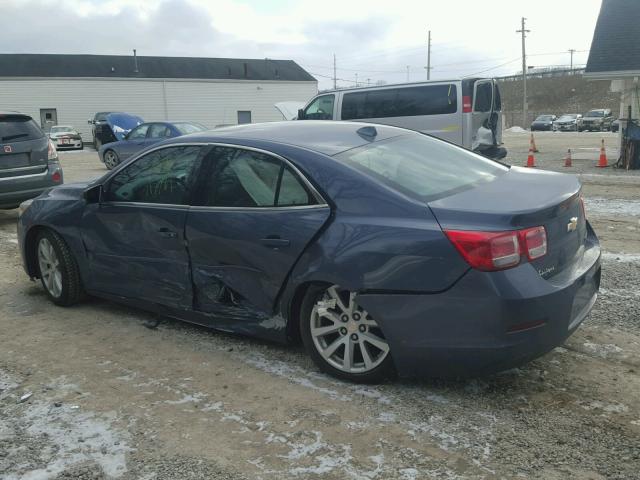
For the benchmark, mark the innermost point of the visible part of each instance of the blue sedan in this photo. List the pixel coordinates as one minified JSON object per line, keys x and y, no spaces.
{"x":384,"y":250}
{"x":141,"y":137}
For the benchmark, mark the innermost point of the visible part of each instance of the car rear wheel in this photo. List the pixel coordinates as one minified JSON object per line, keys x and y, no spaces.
{"x":111,"y":159}
{"x":58,"y":269}
{"x":342,"y":338}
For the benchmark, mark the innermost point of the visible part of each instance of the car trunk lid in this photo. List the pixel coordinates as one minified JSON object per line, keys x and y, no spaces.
{"x":519,"y":199}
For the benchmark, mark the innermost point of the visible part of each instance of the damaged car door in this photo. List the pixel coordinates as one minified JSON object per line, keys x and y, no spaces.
{"x":134,"y":236}
{"x":254,"y":217}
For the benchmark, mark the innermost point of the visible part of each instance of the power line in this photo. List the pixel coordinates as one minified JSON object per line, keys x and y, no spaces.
{"x":492,"y":68}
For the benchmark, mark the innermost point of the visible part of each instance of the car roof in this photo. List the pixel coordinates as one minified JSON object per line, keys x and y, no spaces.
{"x":327,"y":137}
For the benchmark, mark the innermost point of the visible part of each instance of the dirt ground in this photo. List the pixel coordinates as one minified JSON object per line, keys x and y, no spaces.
{"x":114,"y":398}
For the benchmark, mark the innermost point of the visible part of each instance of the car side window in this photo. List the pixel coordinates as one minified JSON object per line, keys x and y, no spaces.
{"x":163,"y":176}
{"x":159,"y":130}
{"x":484,"y":94}
{"x":244,"y":178}
{"x":321,"y":108}
{"x":138,"y":133}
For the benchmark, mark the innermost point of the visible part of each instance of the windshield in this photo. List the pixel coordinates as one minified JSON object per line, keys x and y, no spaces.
{"x":61,"y":129}
{"x":567,"y":117}
{"x":422,"y":167}
{"x":186,"y":128}
{"x":595,"y":113}
{"x":544,"y":118}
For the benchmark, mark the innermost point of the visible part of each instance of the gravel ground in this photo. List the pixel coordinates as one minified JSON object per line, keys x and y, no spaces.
{"x":112,"y":398}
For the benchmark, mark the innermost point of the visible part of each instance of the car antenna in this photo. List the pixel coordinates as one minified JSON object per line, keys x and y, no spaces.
{"x":368,"y":133}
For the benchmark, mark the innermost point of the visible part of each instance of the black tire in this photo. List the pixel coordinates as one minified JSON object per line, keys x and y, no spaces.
{"x":72,"y":291}
{"x":383,"y":372}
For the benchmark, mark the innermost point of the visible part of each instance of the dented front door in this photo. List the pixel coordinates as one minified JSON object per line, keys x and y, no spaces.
{"x":256,"y":217}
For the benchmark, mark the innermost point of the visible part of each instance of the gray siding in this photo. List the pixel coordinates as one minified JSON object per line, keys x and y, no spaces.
{"x":208,"y":102}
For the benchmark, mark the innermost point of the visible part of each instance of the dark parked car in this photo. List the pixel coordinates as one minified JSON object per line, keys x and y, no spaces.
{"x":597,"y":120}
{"x":28,"y":160}
{"x":143,"y":136}
{"x":543,"y":122}
{"x":112,"y":126}
{"x":615,"y":125}
{"x":385,"y":250}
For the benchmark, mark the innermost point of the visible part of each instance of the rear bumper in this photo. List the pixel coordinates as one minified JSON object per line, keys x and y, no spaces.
{"x":15,"y":190}
{"x":487,"y":322}
{"x":70,"y":144}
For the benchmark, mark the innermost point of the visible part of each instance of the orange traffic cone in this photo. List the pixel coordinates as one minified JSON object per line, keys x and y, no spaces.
{"x":533,"y":144}
{"x":567,"y":160}
{"x":602,"y":162}
{"x":531,"y":160}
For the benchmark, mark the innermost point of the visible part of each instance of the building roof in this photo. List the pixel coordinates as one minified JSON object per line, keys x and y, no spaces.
{"x":119,"y":66}
{"x":615,"y":49}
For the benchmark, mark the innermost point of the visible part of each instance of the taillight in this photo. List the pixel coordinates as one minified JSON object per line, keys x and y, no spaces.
{"x":584,"y":212}
{"x":492,"y":251}
{"x":52,"y":153}
{"x":466,"y":104}
{"x":56,"y":176}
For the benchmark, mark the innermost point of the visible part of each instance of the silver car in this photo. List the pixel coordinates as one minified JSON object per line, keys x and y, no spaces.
{"x":28,"y":160}
{"x":568,"y":122}
{"x":65,"y":136}
{"x":466,"y":112}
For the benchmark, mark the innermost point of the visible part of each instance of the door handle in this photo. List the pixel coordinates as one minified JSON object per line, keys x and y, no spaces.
{"x":166,"y":233}
{"x":274,"y":241}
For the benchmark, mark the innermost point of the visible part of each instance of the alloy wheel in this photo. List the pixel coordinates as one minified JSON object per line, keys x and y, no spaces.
{"x":344,"y":334}
{"x":110,"y":159}
{"x":50,"y":268}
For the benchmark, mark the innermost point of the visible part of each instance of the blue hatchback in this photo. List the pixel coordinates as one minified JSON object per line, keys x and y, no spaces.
{"x":384,"y":250}
{"x":141,"y":137}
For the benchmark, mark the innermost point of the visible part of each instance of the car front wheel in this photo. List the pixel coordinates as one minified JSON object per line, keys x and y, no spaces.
{"x":58,"y":269}
{"x":342,"y":338}
{"x":111,"y":159}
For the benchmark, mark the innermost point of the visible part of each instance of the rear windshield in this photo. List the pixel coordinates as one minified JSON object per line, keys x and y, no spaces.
{"x":186,"y":128}
{"x":595,"y":113}
{"x":18,"y":129}
{"x":544,"y":118}
{"x":422,"y":167}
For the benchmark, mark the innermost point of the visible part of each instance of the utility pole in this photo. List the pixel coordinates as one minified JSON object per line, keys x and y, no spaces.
{"x":429,"y":56}
{"x":571,"y":51}
{"x":408,"y":67}
{"x":334,"y":72}
{"x":356,"y":79}
{"x":525,"y":106}
{"x":368,"y":82}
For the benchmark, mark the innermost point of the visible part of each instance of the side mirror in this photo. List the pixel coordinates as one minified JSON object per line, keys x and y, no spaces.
{"x":93,"y":194}
{"x":90,"y":122}
{"x":301,"y":115}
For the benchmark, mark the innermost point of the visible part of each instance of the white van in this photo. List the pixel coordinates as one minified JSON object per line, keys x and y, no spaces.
{"x":465,"y":112}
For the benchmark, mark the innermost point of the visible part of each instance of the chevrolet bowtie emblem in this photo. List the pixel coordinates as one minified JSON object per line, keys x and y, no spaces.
{"x":573,"y":224}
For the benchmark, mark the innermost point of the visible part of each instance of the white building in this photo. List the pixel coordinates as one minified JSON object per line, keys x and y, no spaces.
{"x":70,"y":89}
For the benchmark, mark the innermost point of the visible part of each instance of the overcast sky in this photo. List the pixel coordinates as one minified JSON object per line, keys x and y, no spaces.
{"x":375,"y":40}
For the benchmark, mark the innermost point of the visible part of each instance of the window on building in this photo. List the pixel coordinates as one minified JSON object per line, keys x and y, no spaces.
{"x":244,"y":116}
